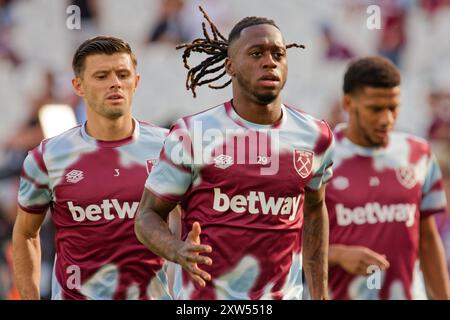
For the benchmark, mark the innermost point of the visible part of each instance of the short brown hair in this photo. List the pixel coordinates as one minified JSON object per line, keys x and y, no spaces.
{"x":100,"y":45}
{"x":375,"y":71}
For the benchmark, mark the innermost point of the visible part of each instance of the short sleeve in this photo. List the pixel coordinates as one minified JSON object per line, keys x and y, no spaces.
{"x":171,"y":176}
{"x":325,"y":171}
{"x":433,"y":194}
{"x":34,"y":193}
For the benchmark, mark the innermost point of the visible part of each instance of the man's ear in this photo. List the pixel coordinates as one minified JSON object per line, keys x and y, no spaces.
{"x":347,"y":102}
{"x":136,"y":81}
{"x":229,"y":67}
{"x":77,"y":87}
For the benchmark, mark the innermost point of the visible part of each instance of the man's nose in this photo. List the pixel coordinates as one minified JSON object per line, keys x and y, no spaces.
{"x":115,"y":81}
{"x":387,"y":117}
{"x":269,"y":61}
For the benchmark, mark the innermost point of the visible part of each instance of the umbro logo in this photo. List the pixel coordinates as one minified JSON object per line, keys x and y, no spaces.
{"x":74,"y":176}
{"x":223,"y":161}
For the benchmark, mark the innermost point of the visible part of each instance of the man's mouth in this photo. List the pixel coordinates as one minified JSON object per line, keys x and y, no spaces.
{"x":114,"y":97}
{"x":382,"y":133}
{"x":269,"y":80}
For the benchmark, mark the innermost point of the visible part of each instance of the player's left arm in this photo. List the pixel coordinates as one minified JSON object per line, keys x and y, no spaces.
{"x":431,"y":249}
{"x":432,"y":260}
{"x":315,"y":242}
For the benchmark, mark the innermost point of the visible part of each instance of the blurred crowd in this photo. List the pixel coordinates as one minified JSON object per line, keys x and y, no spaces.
{"x":35,"y":69}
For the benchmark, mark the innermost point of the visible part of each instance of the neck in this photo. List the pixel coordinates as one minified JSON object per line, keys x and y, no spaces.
{"x":357,"y":137}
{"x":110,"y":130}
{"x":256,"y":112}
{"x":352,"y":138}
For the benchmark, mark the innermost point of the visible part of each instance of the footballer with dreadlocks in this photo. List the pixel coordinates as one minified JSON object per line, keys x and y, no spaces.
{"x":253,"y":201}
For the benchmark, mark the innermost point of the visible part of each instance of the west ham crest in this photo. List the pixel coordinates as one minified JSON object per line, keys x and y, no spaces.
{"x":406,"y":176}
{"x":303,"y":161}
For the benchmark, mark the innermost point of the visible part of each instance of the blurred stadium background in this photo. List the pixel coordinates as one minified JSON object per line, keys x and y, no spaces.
{"x":36,"y":48}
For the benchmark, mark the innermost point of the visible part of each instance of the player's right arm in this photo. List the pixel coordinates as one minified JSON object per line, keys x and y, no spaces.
{"x":27,"y":254}
{"x":34,"y":198}
{"x":355,"y":259}
{"x":153,"y":231}
{"x":165,"y":187}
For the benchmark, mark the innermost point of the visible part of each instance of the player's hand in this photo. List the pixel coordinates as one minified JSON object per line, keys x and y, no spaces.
{"x":357,"y":259}
{"x":188,"y":256}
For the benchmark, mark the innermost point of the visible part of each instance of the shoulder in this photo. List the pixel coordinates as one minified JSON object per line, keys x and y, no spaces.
{"x":308,"y":120}
{"x":148,"y":129}
{"x":61,"y":142}
{"x":65,"y":139}
{"x":320,"y":128}
{"x":210,"y":115}
{"x":417,"y":146}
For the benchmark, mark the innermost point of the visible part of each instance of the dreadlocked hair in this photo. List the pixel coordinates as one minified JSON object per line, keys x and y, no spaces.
{"x":216,"y":46}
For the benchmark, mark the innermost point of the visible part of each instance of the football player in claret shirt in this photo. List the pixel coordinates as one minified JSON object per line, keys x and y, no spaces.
{"x":261,"y":177}
{"x":91,"y":177}
{"x":384,"y":192}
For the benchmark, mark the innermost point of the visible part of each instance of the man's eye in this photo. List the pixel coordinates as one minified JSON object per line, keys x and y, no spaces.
{"x":279,"y":55}
{"x":256,"y":54}
{"x":101,"y":77}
